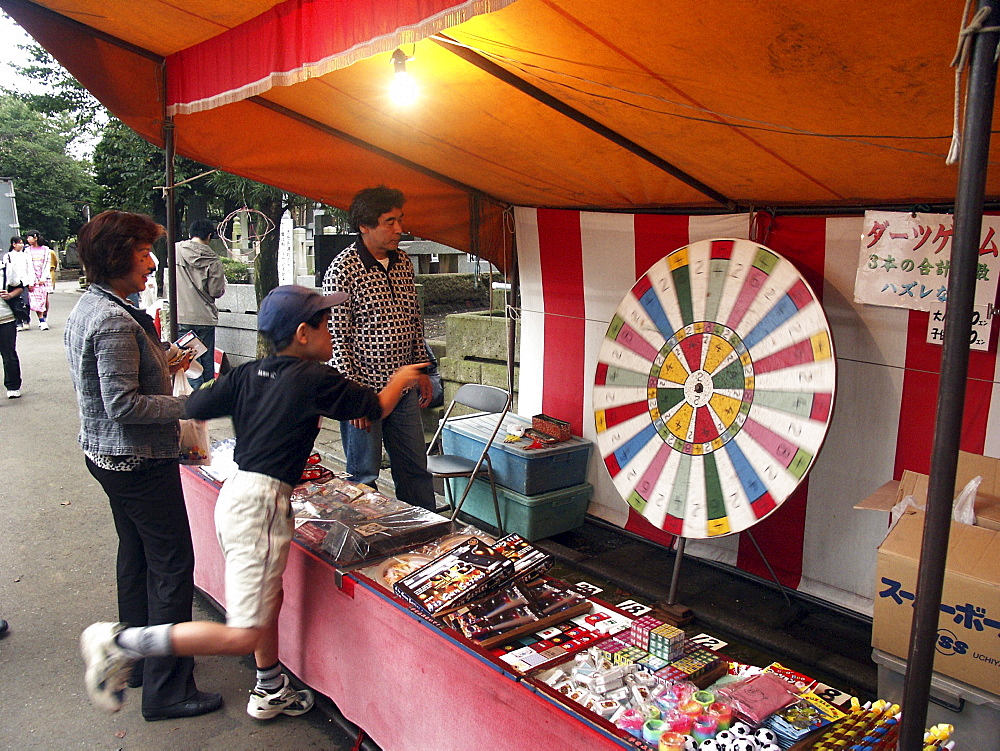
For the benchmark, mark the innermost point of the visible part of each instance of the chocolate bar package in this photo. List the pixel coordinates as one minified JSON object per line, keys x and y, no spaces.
{"x":467,"y":572}
{"x":361,"y":539}
{"x":512,"y":608}
{"x":529,"y":561}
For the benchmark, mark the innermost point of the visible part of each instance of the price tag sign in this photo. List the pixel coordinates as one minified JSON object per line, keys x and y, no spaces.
{"x":586,"y":589}
{"x":633,"y":608}
{"x":979,"y":334}
{"x":708,"y":642}
{"x":832,"y":695}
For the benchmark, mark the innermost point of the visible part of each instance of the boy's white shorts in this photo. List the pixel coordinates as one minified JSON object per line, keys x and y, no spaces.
{"x":254,"y":527}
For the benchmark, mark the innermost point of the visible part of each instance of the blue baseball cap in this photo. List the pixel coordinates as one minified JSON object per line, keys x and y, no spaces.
{"x":284,"y":308}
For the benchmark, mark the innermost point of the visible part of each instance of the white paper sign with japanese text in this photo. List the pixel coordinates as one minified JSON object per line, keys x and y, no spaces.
{"x":905,"y":260}
{"x":979,"y":334}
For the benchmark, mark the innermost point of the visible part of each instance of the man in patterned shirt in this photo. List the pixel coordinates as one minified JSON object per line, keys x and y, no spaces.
{"x":376,"y":331}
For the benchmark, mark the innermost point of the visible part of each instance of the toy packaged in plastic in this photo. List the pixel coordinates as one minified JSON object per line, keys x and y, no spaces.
{"x":757,"y":697}
{"x":362,"y":538}
{"x":465,"y":573}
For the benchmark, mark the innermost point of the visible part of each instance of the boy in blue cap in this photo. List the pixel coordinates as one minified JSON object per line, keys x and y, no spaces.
{"x":276,"y":404}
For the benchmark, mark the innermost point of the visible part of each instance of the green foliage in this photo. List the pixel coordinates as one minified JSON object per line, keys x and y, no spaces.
{"x":64,"y":96}
{"x":51,"y":186}
{"x":131,"y":171}
{"x":237,"y":272}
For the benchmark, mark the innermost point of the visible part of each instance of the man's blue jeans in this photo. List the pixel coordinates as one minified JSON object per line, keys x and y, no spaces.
{"x":207,"y":360}
{"x":403,"y":436}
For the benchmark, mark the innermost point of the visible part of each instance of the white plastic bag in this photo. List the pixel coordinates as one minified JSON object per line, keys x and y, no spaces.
{"x":964,"y":510}
{"x":194,"y":440}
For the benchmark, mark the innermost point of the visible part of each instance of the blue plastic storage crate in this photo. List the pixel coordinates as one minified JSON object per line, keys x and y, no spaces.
{"x":532,"y":517}
{"x":528,"y":472}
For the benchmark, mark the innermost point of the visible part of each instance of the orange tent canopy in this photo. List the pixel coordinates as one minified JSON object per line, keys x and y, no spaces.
{"x":688,"y":106}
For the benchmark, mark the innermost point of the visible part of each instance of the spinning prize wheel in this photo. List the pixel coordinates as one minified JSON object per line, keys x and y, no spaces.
{"x":714,"y":388}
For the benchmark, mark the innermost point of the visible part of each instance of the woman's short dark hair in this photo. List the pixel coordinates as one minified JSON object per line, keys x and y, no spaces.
{"x":15,"y":239}
{"x":38,"y":236}
{"x":371,"y":203}
{"x":106,"y":243}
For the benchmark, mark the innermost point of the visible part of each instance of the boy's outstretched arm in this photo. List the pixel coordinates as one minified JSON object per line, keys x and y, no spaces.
{"x":406,"y":377}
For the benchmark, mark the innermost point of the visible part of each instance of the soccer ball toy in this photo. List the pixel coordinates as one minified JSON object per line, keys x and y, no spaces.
{"x":724,"y":738}
{"x":690,"y":744}
{"x":709,"y":744}
{"x":743,"y":744}
{"x":765,"y":736}
{"x":739,"y":728}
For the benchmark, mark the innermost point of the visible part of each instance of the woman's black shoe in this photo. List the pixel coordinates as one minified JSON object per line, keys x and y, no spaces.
{"x":202,"y":702}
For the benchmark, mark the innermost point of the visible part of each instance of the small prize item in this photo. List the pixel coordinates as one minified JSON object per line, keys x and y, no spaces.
{"x":704,"y":727}
{"x":759,"y":696}
{"x":724,"y":712}
{"x":679,"y":722}
{"x":316,"y":474}
{"x":463,"y":574}
{"x":651,"y":731}
{"x":558,"y":429}
{"x":671,"y":741}
{"x":631,"y":720}
{"x":705,"y":698}
{"x":538,"y":436}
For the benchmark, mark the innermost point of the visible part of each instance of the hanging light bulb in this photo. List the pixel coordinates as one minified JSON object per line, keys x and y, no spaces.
{"x":403,"y":90}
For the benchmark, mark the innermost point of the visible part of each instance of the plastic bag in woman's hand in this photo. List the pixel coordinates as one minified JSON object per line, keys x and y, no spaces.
{"x":194,"y":442}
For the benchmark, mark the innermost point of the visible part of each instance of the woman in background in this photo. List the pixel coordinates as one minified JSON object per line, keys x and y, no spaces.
{"x":41,"y":265}
{"x":11,"y":288}
{"x":20,"y":262}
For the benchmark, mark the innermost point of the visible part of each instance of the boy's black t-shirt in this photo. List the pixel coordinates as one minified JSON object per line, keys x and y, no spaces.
{"x":276,"y":404}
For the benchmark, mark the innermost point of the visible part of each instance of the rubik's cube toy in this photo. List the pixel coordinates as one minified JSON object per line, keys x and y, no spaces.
{"x":694,"y":664}
{"x":667,"y":642}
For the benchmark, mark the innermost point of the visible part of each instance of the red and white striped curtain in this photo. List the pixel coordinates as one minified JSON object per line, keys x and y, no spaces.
{"x":575,"y":268}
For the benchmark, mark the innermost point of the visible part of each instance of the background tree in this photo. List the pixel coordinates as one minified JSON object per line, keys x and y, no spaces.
{"x":63,"y":95}
{"x":51,"y":186}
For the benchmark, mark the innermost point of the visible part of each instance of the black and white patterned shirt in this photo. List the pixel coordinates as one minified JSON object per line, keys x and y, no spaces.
{"x":378,"y":329}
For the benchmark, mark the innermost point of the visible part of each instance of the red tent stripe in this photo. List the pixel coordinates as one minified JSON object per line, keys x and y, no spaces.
{"x":561,"y":260}
{"x":301,"y":39}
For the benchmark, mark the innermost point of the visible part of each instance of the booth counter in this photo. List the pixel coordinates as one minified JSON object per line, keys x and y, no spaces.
{"x":406,"y":683}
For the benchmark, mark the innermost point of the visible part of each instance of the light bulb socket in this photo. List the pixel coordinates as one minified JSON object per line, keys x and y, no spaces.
{"x":399,"y":59}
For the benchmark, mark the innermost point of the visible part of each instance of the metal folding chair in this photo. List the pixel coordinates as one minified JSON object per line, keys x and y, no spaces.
{"x":487,"y":399}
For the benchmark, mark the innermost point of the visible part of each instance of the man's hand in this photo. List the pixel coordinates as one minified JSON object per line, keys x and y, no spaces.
{"x":424,"y":382}
{"x":362,"y":423}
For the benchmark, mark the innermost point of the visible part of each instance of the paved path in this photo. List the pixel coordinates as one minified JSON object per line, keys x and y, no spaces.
{"x":57,"y":559}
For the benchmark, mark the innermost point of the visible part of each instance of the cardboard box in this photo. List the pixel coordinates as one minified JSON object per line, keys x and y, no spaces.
{"x":968,"y":646}
{"x":969,"y":466}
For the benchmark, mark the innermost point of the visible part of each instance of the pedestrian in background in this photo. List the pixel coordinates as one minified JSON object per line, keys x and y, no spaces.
{"x":130,"y":437}
{"x":20,"y":261}
{"x":11,"y":289}
{"x":42,"y":266}
{"x":201,"y":280}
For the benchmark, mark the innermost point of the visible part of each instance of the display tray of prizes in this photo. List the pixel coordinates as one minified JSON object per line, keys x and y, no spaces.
{"x":395,"y":567}
{"x":542,"y":648}
{"x":516,"y":610}
{"x":461,"y":575}
{"x":350,"y":524}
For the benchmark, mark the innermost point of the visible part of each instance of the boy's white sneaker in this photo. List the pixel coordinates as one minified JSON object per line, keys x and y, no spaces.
{"x":13,"y":393}
{"x":286,"y":700}
{"x":108,"y":667}
{"x":43,"y":326}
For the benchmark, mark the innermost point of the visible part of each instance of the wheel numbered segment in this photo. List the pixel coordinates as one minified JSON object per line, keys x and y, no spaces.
{"x":714,"y":388}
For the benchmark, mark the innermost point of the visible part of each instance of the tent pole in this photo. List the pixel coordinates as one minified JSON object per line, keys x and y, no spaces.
{"x":954,"y":368}
{"x":168,"y":140}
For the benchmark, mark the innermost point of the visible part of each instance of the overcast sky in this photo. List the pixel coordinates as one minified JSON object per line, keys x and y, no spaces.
{"x":12,"y":35}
